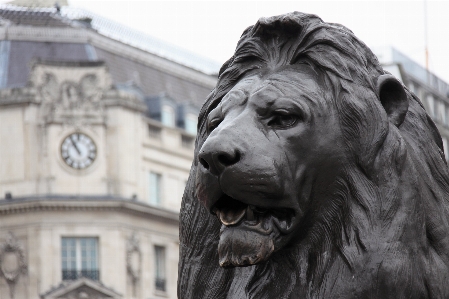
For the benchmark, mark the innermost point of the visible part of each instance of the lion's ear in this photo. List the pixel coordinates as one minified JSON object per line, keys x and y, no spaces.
{"x":393,"y":97}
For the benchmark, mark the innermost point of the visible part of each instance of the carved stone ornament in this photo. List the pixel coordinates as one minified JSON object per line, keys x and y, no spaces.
{"x":133,"y":258}
{"x":317,"y":174}
{"x":67,"y":98}
{"x":12,"y":259}
{"x":71,"y":92}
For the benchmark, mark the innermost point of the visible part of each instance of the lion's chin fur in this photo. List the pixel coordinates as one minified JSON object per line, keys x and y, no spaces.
{"x":240,"y":247}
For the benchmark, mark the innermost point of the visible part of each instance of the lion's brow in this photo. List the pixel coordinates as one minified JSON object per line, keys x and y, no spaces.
{"x":272,"y":83}
{"x":240,"y":99}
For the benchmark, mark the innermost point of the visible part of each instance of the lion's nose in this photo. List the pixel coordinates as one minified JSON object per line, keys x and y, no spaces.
{"x":216,"y":160}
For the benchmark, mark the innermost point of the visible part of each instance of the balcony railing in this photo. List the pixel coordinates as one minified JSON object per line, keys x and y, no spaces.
{"x":160,"y":284}
{"x":75,"y":274}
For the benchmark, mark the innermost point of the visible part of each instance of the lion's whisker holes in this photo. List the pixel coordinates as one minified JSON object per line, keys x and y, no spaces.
{"x":204,"y":163}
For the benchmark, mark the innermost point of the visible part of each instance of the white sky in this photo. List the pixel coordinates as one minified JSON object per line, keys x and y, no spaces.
{"x":212,"y":28}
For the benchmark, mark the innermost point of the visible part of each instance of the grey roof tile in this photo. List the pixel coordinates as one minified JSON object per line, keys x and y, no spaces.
{"x":152,"y":81}
{"x":23,"y":53}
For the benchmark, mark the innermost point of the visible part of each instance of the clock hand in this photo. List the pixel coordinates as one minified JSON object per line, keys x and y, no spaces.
{"x":74,"y":144}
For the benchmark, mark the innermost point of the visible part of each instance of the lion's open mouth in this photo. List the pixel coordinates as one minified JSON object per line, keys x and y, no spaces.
{"x":250,"y":234}
{"x":232,"y":212}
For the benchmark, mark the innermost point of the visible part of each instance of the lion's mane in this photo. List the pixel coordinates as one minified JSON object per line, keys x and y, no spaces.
{"x":369,"y":216}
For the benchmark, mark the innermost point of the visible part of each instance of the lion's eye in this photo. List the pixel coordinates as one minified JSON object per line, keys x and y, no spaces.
{"x":283,"y":120}
{"x":213,"y":124}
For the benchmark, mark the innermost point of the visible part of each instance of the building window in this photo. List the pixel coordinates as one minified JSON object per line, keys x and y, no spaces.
{"x":431,"y":105}
{"x":412,"y":88}
{"x":160,"y":277}
{"x":155,"y":189}
{"x":79,"y":258}
{"x":168,"y":116}
{"x":5,"y":48}
{"x":441,"y":112}
{"x":191,"y":123}
{"x":419,"y":92}
{"x":91,"y":53}
{"x":447,"y":114}
{"x":436,"y":109}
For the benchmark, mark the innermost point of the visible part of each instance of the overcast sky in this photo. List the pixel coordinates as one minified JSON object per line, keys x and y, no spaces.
{"x":212,"y":28}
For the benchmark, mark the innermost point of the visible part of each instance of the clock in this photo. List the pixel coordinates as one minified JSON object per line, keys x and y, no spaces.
{"x":78,"y":150}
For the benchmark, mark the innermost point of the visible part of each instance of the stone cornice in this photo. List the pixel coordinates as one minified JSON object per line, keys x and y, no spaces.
{"x":83,"y":35}
{"x":111,"y":98}
{"x":18,"y":95}
{"x":44,"y":34}
{"x":123,"y":99}
{"x":31,"y":205}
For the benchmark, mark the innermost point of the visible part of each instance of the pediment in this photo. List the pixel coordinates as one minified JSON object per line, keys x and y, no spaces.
{"x":82,"y":288}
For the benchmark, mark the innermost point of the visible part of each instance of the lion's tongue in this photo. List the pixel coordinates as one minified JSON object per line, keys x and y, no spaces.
{"x":231,"y":216}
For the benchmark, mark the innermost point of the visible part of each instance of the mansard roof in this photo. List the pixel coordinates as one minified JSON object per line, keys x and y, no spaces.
{"x":28,"y":34}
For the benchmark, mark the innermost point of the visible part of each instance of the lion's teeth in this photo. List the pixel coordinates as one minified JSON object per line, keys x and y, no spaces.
{"x":231,"y":217}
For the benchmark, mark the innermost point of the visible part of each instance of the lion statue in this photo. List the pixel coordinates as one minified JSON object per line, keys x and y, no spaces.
{"x":317,"y":174}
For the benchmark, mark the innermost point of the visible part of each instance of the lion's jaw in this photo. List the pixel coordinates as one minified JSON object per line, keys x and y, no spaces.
{"x":255,"y":213}
{"x":250,"y":234}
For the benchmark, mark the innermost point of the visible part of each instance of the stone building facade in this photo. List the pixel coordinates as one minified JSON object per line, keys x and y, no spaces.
{"x":96,"y":143}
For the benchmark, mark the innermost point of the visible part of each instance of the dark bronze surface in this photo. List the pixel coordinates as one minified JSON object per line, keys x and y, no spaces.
{"x":316,"y":175}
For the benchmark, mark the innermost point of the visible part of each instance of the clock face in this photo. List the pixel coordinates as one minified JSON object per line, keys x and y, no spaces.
{"x":78,"y":150}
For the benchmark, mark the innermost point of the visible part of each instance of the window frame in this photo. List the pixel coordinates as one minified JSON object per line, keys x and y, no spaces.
{"x":80,"y":267}
{"x":160,"y":275}
{"x":190,"y":123}
{"x":431,"y":104}
{"x":168,"y":110}
{"x":441,"y":111}
{"x":156,"y":201}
